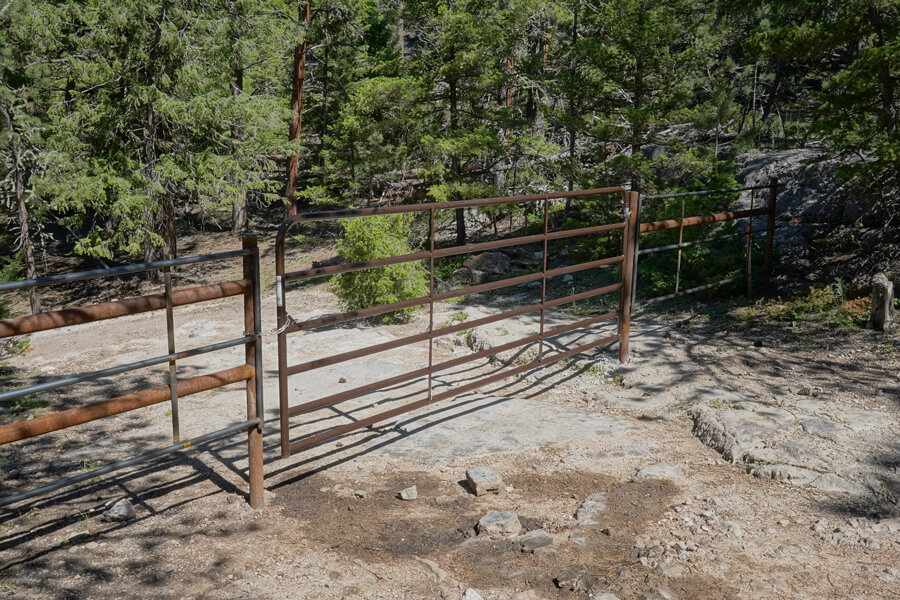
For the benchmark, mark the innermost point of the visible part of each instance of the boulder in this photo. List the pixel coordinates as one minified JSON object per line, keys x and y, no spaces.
{"x":881,"y":315}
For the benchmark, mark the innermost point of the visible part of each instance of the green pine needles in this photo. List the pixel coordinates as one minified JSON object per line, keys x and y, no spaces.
{"x":375,"y":237}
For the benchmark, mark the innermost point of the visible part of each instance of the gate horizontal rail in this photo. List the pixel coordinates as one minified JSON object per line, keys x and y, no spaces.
{"x":250,"y":372}
{"x":287,"y":325}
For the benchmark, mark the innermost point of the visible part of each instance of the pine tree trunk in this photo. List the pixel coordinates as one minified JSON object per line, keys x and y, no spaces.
{"x":239,"y":205}
{"x":25,"y":234}
{"x":296,"y":112}
{"x":22,"y":208}
{"x":455,"y":168}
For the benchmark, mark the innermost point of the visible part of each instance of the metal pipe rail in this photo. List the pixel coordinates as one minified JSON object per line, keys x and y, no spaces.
{"x":250,"y":372}
{"x":285,"y":327}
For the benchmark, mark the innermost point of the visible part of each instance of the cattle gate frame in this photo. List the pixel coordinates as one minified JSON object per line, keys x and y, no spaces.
{"x":287,"y":325}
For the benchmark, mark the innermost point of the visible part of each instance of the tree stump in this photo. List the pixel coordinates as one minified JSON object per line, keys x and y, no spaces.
{"x":881,"y":315}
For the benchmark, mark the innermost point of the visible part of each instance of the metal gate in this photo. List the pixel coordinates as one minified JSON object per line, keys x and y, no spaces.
{"x":249,"y":372}
{"x":293,"y":407}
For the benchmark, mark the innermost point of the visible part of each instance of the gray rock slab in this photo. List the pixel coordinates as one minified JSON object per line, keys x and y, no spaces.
{"x":475,"y":425}
{"x":733,"y":433}
{"x":501,"y":523}
{"x":483,"y":480}
{"x":825,"y":429}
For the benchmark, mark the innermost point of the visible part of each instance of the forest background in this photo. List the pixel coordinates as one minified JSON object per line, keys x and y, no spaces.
{"x":123,"y":122}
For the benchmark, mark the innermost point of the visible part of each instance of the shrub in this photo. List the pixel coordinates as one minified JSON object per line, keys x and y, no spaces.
{"x":371,"y":238}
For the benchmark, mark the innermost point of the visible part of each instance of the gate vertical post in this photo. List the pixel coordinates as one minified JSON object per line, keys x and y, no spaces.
{"x":253,"y":358}
{"x":629,"y":239}
{"x":770,"y":230}
{"x":637,"y":249}
{"x":281,"y":313}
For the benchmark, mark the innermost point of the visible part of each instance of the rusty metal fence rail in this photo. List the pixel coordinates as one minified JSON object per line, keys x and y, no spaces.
{"x":768,"y":211}
{"x":250,"y":372}
{"x":288,"y":326}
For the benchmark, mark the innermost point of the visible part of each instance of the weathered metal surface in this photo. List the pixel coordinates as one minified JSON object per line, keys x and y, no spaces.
{"x":118,"y":308}
{"x":21,"y":430}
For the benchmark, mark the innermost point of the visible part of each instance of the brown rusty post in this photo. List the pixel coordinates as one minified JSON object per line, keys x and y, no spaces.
{"x":251,"y":350}
{"x":544,"y":277}
{"x":173,"y":377}
{"x":770,"y":230}
{"x":430,"y":302}
{"x":629,"y":238}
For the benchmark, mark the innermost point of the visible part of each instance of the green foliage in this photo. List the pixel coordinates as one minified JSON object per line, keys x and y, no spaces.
{"x":826,"y":304}
{"x":9,"y":270}
{"x":375,"y":237}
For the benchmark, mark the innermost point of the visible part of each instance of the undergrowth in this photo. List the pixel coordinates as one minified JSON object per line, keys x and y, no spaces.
{"x":827,"y":305}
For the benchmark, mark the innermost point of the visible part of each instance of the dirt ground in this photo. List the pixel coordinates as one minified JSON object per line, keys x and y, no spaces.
{"x":679,"y":520}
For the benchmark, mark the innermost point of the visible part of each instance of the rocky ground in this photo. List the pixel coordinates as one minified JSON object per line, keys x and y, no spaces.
{"x":721,"y":462}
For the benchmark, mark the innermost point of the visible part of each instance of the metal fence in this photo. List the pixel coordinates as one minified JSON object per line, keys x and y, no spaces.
{"x":767,"y":211}
{"x":249,"y":372}
{"x":629,"y":204}
{"x":288,"y":326}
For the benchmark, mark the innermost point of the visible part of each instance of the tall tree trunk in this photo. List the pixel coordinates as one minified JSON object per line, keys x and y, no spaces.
{"x":572,"y":67}
{"x":296,"y":110}
{"x":455,"y":167}
{"x":239,"y":205}
{"x":22,"y":207}
{"x":637,"y":126}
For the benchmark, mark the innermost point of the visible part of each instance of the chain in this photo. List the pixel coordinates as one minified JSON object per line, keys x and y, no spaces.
{"x":289,"y":320}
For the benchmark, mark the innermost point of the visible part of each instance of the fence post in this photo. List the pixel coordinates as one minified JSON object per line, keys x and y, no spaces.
{"x":770,"y":230}
{"x":253,"y":358}
{"x":637,"y":249}
{"x":629,"y":239}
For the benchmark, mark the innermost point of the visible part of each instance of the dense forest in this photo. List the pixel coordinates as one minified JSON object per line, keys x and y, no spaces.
{"x":119,"y":120}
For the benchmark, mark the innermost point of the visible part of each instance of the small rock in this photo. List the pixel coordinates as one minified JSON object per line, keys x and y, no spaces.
{"x":13,"y":474}
{"x":342,"y":380}
{"x":500,"y":522}
{"x":670,"y":569}
{"x":810,"y":391}
{"x":472,"y":594}
{"x":577,"y":539}
{"x":410,"y":493}
{"x":122,"y":510}
{"x":483,"y":480}
{"x":534,"y":541}
{"x":78,"y":537}
{"x":592,"y":505}
{"x":571,"y":580}
{"x":608,"y":531}
{"x":360,"y":494}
